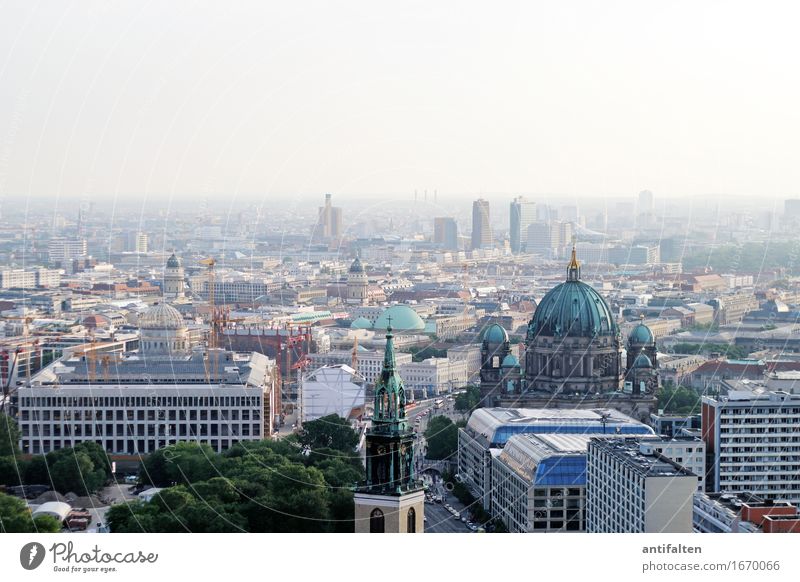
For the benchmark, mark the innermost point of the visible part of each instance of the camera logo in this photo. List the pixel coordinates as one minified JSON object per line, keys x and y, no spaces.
{"x":31,"y":555}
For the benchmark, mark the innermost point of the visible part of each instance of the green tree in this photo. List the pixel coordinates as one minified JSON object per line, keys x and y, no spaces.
{"x":9,"y":436}
{"x":15,"y":517}
{"x":74,"y":471}
{"x":185,"y":462}
{"x":12,"y":471}
{"x":469,"y":400}
{"x":330,"y":431}
{"x":442,"y":438}
{"x":678,"y":400}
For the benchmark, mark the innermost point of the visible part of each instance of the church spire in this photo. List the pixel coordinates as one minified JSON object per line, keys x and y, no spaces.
{"x":574,"y":267}
{"x":389,"y":415}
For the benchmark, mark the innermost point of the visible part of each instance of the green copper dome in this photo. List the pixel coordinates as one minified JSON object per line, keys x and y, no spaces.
{"x":173,"y":262}
{"x":403,"y":318}
{"x":361,"y":323}
{"x":573,"y":309}
{"x":641,"y":334}
{"x":642,"y":361}
{"x":510,"y":361}
{"x":495,"y":334}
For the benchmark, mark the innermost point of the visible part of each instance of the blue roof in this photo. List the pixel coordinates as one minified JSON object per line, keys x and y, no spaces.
{"x":504,"y":433}
{"x":561,"y":471}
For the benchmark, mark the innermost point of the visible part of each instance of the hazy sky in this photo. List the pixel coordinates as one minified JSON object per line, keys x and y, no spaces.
{"x":160,"y":99}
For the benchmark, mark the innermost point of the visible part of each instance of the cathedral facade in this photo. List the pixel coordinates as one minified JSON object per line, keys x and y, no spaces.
{"x":574,"y":355}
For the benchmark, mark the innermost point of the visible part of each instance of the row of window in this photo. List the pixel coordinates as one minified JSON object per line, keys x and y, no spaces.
{"x":153,"y":401}
{"x":130,"y":415}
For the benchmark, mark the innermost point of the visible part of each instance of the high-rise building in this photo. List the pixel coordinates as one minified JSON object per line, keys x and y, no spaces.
{"x":141,"y":242}
{"x":445,"y":232}
{"x":481,"y":225}
{"x":62,"y":250}
{"x":753,"y":443}
{"x":521,"y":214}
{"x":329,"y":222}
{"x":646,"y":208}
{"x":791,"y":212}
{"x":632,"y":488}
{"x":391,"y":500}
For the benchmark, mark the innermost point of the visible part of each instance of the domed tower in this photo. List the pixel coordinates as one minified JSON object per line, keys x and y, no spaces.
{"x":573,"y":342}
{"x":173,"y":278}
{"x":642,"y":360}
{"x":494,"y":350}
{"x":357,"y":284}
{"x":162,"y":331}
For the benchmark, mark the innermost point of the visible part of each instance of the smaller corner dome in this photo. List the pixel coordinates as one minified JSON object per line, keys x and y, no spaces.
{"x":403,"y":318}
{"x":510,"y":361}
{"x":642,"y":361}
{"x":161,"y":316}
{"x":173,"y":262}
{"x":361,"y":323}
{"x":357,"y":267}
{"x":495,"y":334}
{"x":641,"y":334}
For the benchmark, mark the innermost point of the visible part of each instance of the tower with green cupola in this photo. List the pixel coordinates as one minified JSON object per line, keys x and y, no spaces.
{"x":391,"y":498}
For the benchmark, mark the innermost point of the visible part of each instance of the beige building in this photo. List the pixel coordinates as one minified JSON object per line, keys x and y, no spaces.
{"x":632,"y":488}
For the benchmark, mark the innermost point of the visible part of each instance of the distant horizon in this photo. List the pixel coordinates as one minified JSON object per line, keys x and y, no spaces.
{"x":582,"y":99}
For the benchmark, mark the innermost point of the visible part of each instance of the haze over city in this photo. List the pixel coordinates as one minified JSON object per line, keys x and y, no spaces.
{"x":107,"y":100}
{"x":419,"y":267}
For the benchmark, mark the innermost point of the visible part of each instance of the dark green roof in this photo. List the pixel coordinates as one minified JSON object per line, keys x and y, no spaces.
{"x":575,"y":309}
{"x":495,"y":334}
{"x":641,"y":334}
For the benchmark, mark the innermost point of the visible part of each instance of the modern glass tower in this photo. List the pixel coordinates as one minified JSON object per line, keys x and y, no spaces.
{"x":521,"y":215}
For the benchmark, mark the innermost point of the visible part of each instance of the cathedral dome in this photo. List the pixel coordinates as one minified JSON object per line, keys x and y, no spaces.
{"x":510,"y":361}
{"x":361,"y":323}
{"x":641,"y":335}
{"x":403,"y":318}
{"x":161,"y":316}
{"x":642,"y":361}
{"x":173,"y":262}
{"x":356,"y":267}
{"x":495,"y":334}
{"x":573,"y":309}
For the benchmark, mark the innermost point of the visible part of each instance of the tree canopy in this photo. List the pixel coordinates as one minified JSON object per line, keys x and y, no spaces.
{"x":15,"y":517}
{"x":441,"y":435}
{"x":678,"y":400}
{"x":330,"y":431}
{"x":469,"y":400}
{"x":263,"y":486}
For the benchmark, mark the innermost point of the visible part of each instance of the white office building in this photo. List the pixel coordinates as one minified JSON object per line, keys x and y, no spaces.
{"x":136,"y":403}
{"x":632,"y":488}
{"x":489,"y":429}
{"x":753,"y":437}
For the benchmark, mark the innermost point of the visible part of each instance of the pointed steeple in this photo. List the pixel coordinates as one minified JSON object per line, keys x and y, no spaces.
{"x":574,"y":267}
{"x":390,"y":397}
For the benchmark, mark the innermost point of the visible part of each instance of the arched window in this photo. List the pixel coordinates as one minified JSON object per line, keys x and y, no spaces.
{"x":411,"y":521}
{"x":376,"y":521}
